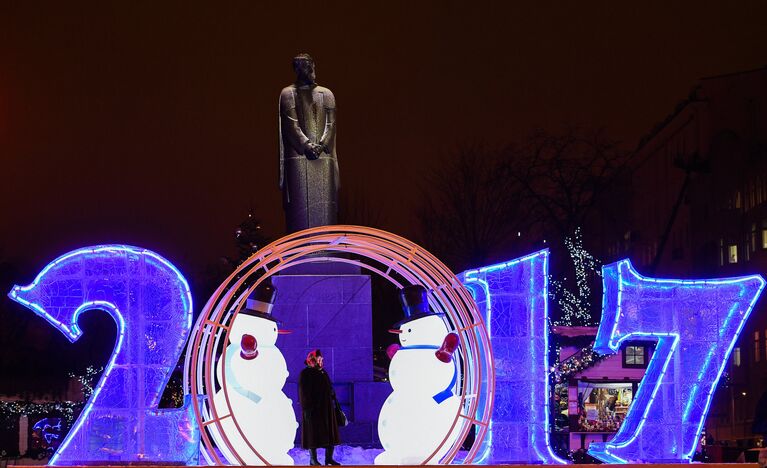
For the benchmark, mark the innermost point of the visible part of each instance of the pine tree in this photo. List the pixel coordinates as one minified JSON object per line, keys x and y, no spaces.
{"x":249,"y":237}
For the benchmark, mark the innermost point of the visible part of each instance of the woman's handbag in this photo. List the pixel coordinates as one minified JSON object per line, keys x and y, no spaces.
{"x":340,"y":415}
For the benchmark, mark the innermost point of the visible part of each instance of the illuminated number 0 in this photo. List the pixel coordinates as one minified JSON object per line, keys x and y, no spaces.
{"x":695,"y":324}
{"x":150,"y":301}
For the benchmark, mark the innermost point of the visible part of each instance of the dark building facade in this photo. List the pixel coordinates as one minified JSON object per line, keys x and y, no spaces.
{"x":699,"y":210}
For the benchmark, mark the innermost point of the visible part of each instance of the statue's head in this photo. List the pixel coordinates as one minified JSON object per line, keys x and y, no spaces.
{"x":303,"y":65}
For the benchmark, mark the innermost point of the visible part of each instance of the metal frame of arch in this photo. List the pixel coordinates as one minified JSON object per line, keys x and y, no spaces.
{"x":400,"y":261}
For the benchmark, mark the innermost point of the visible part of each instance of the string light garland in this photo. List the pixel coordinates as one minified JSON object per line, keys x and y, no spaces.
{"x":575,"y":306}
{"x":86,"y":380}
{"x":576,"y":363}
{"x":67,"y":409}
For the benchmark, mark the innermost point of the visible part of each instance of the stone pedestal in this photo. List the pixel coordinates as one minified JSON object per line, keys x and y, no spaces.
{"x":332,"y":312}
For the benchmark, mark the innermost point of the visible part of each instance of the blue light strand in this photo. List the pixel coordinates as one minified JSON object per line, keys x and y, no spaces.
{"x":83,"y":257}
{"x":468,"y":282}
{"x":115,"y":313}
{"x":537,"y":274}
{"x":545,"y":333}
{"x":617,"y":277}
{"x":117,"y":249}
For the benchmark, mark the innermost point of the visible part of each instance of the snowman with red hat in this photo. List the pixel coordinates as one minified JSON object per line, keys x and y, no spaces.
{"x":419,"y":413}
{"x":253,"y":371}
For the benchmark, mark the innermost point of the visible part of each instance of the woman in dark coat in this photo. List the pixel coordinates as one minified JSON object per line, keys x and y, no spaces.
{"x":319,"y":427}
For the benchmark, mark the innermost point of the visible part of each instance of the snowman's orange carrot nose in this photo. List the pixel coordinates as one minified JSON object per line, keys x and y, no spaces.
{"x":395,"y":330}
{"x":283,"y":332}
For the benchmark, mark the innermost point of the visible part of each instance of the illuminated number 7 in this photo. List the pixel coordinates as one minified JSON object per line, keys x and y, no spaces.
{"x":150,"y":301}
{"x":696,"y":324}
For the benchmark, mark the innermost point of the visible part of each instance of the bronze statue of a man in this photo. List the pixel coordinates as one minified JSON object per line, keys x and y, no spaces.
{"x":308,"y":162}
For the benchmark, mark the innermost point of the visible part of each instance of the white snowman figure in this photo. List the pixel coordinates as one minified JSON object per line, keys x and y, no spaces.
{"x":417,"y":416}
{"x":254,"y":372}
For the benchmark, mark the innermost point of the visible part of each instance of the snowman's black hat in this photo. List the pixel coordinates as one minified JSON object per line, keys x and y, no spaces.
{"x":415,"y":304}
{"x":261,"y":301}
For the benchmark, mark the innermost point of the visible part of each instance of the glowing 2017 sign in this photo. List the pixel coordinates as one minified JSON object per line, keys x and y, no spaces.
{"x":150,"y":301}
{"x":695,"y":323}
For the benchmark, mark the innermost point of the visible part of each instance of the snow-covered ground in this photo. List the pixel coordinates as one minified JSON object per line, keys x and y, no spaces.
{"x":344,"y":454}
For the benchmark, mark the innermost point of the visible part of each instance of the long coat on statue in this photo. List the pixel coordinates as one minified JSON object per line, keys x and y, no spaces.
{"x":319,"y":427}
{"x":309,"y":186}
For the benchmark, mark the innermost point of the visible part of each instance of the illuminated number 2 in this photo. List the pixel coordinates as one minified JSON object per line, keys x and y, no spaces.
{"x":695,"y":324}
{"x":150,"y":301}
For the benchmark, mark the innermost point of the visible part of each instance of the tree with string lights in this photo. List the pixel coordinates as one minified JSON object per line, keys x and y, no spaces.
{"x":575,"y":304}
{"x":574,"y":181}
{"x":249,"y":237}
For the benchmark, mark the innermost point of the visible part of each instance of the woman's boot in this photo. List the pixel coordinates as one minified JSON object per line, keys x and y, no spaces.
{"x":329,"y":456}
{"x":313,"y":457}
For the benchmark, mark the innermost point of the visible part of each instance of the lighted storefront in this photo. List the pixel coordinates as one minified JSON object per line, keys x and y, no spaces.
{"x":591,"y":403}
{"x":602,"y":406}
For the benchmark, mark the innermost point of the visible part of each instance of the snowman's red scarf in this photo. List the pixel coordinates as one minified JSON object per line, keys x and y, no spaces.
{"x":231,"y":380}
{"x":446,"y":393}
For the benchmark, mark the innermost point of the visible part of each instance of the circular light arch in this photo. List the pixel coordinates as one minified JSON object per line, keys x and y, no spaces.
{"x":395,"y":258}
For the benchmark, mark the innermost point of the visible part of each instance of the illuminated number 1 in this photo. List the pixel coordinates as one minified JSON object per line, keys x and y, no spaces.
{"x":695,"y":324}
{"x":514,"y":297}
{"x":149,"y":300}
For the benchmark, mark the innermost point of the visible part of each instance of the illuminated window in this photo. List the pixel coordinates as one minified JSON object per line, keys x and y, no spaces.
{"x":764,"y":234}
{"x":732,"y":253}
{"x":635,"y":356}
{"x":757,"y":354}
{"x":603,"y":405}
{"x":736,"y":357}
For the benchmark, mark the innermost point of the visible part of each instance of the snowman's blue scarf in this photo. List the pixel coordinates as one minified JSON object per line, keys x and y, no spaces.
{"x":446,"y":393}
{"x":231,"y":380}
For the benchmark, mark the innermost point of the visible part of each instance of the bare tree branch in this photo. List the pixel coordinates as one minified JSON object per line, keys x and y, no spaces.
{"x":469,"y":211}
{"x":566,"y":176}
